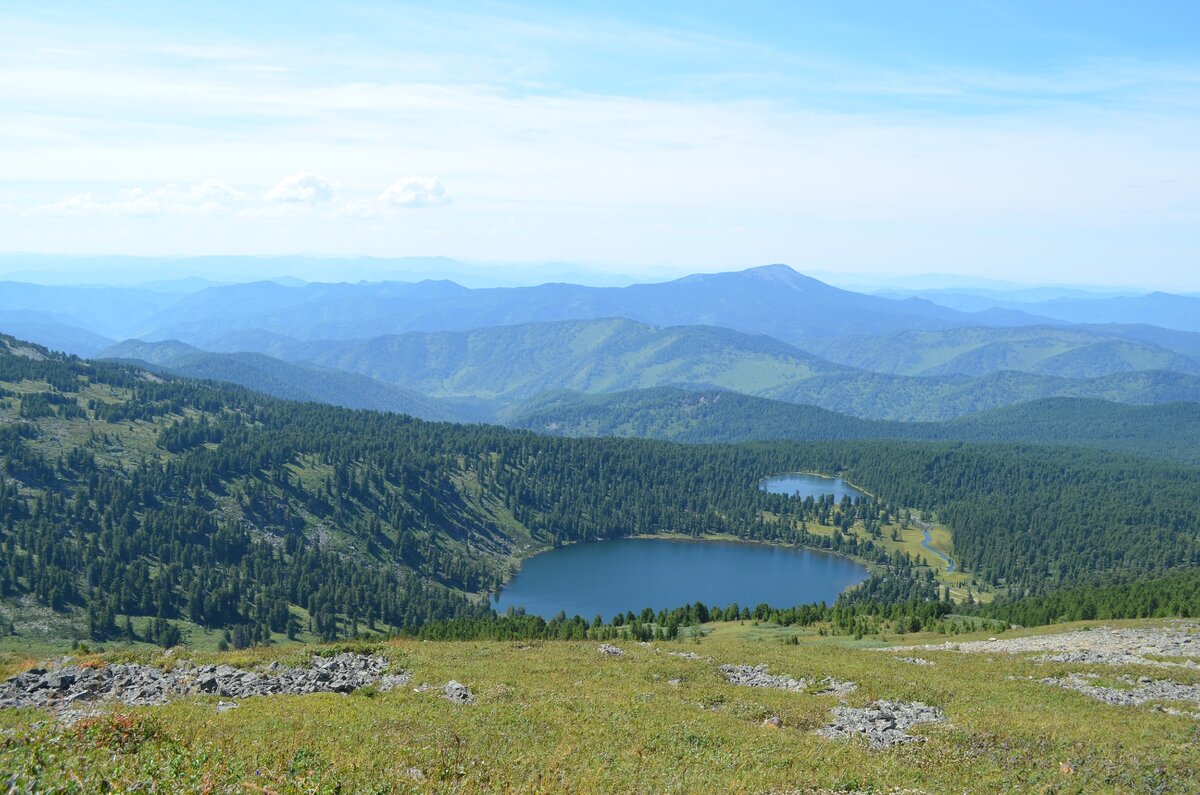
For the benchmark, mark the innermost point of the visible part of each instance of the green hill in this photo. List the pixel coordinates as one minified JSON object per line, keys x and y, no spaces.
{"x":508,"y":363}
{"x":1046,"y":350}
{"x":1169,"y":431}
{"x":289,"y":380}
{"x":505,"y":365}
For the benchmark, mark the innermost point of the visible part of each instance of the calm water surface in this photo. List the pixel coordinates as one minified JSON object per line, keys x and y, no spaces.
{"x":811,"y":486}
{"x":634,"y":573}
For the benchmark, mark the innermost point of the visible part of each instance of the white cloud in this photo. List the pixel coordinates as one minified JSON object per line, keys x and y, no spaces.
{"x":414,"y":192}
{"x":305,"y":187}
{"x":211,"y":197}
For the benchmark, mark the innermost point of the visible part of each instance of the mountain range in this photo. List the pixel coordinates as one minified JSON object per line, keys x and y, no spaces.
{"x":438,"y":350}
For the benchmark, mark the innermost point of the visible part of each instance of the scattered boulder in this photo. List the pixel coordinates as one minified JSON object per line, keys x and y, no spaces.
{"x":882,"y":723}
{"x":915,"y":660}
{"x":609,"y":649}
{"x":773,"y":722}
{"x":457,"y":693}
{"x":135,"y":684}
{"x":687,"y":655}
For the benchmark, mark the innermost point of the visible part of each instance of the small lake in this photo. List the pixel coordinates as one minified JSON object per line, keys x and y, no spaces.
{"x":810,"y":486}
{"x":613,"y":577}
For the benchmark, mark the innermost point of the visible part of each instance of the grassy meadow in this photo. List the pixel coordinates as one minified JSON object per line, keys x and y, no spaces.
{"x":561,"y":717}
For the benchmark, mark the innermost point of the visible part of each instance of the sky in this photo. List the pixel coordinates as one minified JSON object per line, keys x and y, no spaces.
{"x":1023,"y":141}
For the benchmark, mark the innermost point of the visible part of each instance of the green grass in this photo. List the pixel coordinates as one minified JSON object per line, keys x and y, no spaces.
{"x":559,"y":717}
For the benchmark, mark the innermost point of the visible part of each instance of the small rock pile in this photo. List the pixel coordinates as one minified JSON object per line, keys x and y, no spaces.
{"x":914,"y":660}
{"x":882,"y":723}
{"x":134,"y":684}
{"x":457,"y":693}
{"x":758,"y":676}
{"x":609,"y":649}
{"x":1143,"y":690}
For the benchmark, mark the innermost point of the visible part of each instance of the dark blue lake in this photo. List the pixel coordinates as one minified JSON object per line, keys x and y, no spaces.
{"x":630,"y":574}
{"x":811,"y":485}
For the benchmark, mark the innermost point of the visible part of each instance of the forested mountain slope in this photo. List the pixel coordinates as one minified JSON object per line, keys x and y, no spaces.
{"x":130,"y":493}
{"x":1170,"y":431}
{"x":289,"y":380}
{"x":1048,"y":350}
{"x":510,"y":364}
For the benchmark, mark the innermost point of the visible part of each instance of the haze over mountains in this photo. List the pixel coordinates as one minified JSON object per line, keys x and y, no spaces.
{"x":438,"y":350}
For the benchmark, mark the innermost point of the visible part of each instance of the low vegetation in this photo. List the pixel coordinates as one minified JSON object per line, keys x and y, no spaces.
{"x":661,"y":717}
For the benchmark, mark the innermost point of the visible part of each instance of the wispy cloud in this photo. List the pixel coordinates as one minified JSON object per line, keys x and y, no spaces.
{"x":301,"y":193}
{"x":210,"y":197}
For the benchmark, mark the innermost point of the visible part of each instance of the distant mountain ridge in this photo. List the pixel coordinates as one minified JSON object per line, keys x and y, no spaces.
{"x":1166,"y":310}
{"x":773,"y":300}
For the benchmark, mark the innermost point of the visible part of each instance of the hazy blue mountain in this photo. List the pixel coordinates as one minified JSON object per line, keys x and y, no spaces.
{"x":1160,"y":309}
{"x":773,"y":300}
{"x":1065,"y":351}
{"x":113,"y":312}
{"x":1170,"y":431}
{"x":291,"y":380}
{"x":1167,"y":310}
{"x":44,"y":329}
{"x":1186,"y":343}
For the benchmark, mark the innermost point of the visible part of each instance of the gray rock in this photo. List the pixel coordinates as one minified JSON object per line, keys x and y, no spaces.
{"x":882,"y":723}
{"x":609,"y":649}
{"x":457,"y":693}
{"x":758,"y":676}
{"x":1142,"y":690}
{"x":145,"y":685}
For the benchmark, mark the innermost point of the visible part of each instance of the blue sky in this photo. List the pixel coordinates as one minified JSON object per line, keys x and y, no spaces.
{"x":1038,"y":142}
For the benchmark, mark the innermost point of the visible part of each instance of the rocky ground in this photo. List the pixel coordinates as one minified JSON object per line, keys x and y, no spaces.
{"x":759,"y":676}
{"x":1133,"y":693}
{"x":1102,"y":645}
{"x":882,"y":723}
{"x":62,"y":686}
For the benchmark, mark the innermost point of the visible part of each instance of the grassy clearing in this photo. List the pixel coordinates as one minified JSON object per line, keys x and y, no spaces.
{"x":559,"y":717}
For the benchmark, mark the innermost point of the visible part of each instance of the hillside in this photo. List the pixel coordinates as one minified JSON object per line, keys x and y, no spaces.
{"x":915,"y":399}
{"x":560,"y":716}
{"x":292,"y":381}
{"x":132,"y":494}
{"x":1047,"y":350}
{"x":1169,"y":431}
{"x":506,"y":365}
